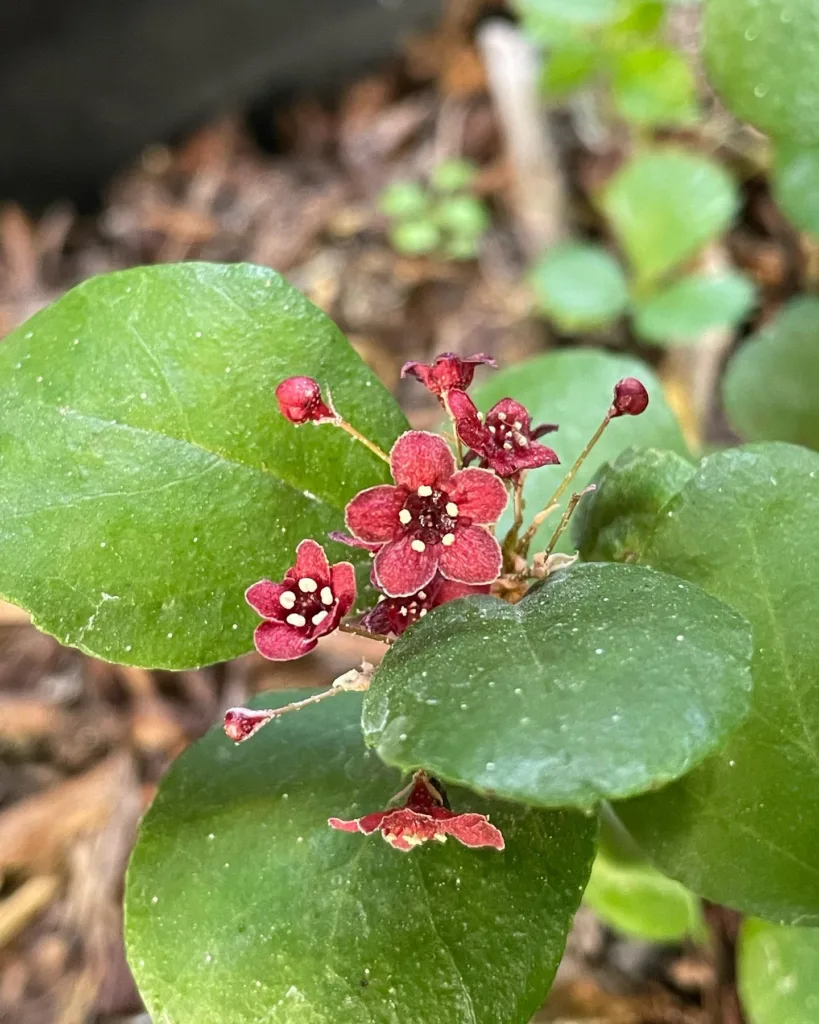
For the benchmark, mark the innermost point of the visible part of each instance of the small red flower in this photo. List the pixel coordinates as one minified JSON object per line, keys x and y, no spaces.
{"x":300,"y":401}
{"x":448,"y":373}
{"x":309,"y":603}
{"x":424,"y":817}
{"x":433,"y":519}
{"x":395,"y":614}
{"x":630,"y":398}
{"x":504,"y":441}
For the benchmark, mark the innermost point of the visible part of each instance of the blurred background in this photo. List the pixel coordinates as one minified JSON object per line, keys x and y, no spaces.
{"x":416,"y":167}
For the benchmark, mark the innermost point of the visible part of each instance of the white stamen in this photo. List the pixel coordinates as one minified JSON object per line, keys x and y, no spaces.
{"x":507,"y":446}
{"x":521,"y":440}
{"x":326,"y":595}
{"x":451,"y":508}
{"x":501,"y":416}
{"x":424,"y":491}
{"x":448,"y":540}
{"x":319,"y":617}
{"x":307,"y":586}
{"x":287,"y":599}
{"x":422,"y":613}
{"x":403,"y":610}
{"x":517,"y":424}
{"x":491,"y":430}
{"x":296,"y":620}
{"x":405,"y":516}
{"x":418,"y":545}
{"x":480,"y":416}
{"x":422,"y":594}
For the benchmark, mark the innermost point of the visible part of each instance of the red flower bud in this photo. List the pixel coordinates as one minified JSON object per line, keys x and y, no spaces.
{"x":300,"y":401}
{"x":242,"y":723}
{"x":630,"y":398}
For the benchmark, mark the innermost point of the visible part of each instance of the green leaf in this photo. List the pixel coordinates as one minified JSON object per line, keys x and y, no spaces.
{"x":604,"y":681}
{"x":796,"y":184}
{"x":631,"y":896}
{"x":148,"y":477}
{"x":244,"y":906}
{"x":686,"y":309}
{"x":568,"y":68}
{"x":453,"y":175}
{"x":777,"y":977}
{"x":772,"y":383}
{"x":654,"y":86}
{"x":610,"y":523}
{"x":464,"y":216}
{"x":415,"y":237}
{"x":579,"y":286}
{"x":664,"y":205}
{"x":404,"y":200}
{"x":574,"y":388}
{"x":555,"y":21}
{"x":761,"y":56}
{"x":741,"y":829}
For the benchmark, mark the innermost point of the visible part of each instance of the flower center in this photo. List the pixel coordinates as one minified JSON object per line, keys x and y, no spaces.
{"x":429,"y":516}
{"x":507,"y":436}
{"x":307,"y":604}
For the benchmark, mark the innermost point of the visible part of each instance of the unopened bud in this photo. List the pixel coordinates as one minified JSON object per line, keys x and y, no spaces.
{"x":242,"y":723}
{"x":630,"y":398}
{"x":300,"y":401}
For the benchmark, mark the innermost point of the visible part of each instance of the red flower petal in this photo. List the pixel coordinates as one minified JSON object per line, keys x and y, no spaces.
{"x":473,"y":830}
{"x":400,"y":571}
{"x":450,"y":590}
{"x":353,"y":542}
{"x":512,"y":412}
{"x":479,"y":495}
{"x":421,"y":371}
{"x":420,"y":459}
{"x":372,"y":515}
{"x":474,"y":558}
{"x":311,"y":561}
{"x":342,"y":583}
{"x":277,"y":641}
{"x":263,"y":597}
{"x":534,"y":456}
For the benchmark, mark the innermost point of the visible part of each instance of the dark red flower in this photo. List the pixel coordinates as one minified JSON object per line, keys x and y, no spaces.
{"x":395,"y":614}
{"x":309,"y":603}
{"x":300,"y":401}
{"x":630,"y":398}
{"x":504,"y":441}
{"x":424,"y":817}
{"x":433,"y":519}
{"x":448,"y":373}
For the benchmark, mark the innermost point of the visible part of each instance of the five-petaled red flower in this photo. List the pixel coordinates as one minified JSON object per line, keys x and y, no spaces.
{"x":433,"y":519}
{"x":504,"y":440}
{"x":300,"y":401}
{"x":309,"y":603}
{"x":448,"y":373}
{"x":396,"y":614}
{"x":424,"y":817}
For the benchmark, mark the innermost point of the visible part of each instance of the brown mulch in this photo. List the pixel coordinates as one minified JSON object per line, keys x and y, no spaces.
{"x":83,"y":744}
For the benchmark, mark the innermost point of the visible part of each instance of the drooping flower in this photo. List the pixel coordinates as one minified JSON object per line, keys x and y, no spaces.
{"x":630,"y":398}
{"x":448,"y":372}
{"x":504,"y":441}
{"x":432,"y":520}
{"x":309,"y":603}
{"x":395,"y":614}
{"x":424,"y":816}
{"x":300,"y":401}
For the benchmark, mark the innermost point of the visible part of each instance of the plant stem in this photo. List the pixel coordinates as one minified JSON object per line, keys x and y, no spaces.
{"x":360,"y":631}
{"x":564,"y":521}
{"x":552,"y":503}
{"x":350,"y":429}
{"x":510,"y":541}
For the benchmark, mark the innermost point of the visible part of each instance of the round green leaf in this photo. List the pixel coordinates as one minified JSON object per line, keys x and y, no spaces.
{"x":404,"y":200}
{"x":664,"y":205}
{"x":741,"y":829}
{"x":772,"y":383}
{"x":633,"y":897}
{"x":550,"y":21}
{"x":568,"y":67}
{"x":574,"y":387}
{"x":686,"y":309}
{"x":415,"y":237}
{"x":611,"y":522}
{"x":778,"y":973}
{"x":605,"y":680}
{"x":463,"y":216}
{"x":796,"y":184}
{"x":761,"y":56}
{"x":243,"y":905}
{"x":453,"y":175}
{"x":579,"y":286}
{"x":148,"y":476}
{"x":654,"y":85}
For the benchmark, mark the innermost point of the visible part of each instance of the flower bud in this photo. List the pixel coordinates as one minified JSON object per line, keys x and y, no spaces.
{"x":242,"y":723}
{"x":630,"y":398}
{"x":300,"y":401}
